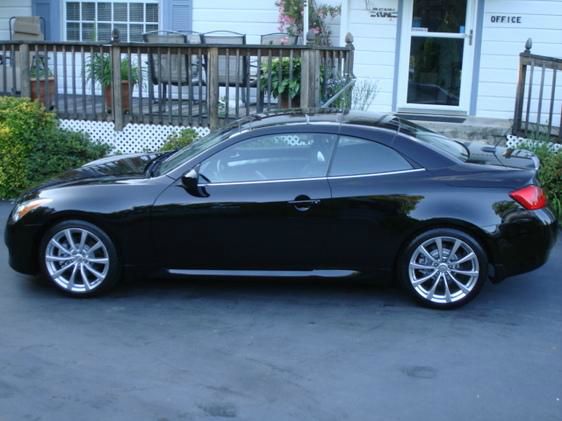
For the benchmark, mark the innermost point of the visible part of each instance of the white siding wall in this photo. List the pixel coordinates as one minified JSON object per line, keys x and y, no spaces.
{"x":375,"y":48}
{"x":250,"y":17}
{"x":501,"y":45}
{"x":375,"y":43}
{"x":9,"y":8}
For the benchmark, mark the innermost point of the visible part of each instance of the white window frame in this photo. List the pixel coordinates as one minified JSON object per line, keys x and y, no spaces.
{"x":65,"y":21}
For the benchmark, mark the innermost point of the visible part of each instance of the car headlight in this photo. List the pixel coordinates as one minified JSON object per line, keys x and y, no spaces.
{"x":25,"y":207}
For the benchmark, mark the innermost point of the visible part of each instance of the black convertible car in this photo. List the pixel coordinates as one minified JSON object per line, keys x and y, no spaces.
{"x":319,"y":195}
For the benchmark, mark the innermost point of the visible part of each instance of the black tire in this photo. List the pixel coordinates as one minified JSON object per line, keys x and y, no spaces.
{"x":82,"y":262}
{"x":447,"y":292}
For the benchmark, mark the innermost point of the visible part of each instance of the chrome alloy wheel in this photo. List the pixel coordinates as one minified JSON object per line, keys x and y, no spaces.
{"x":77,"y":260}
{"x":443,"y":270}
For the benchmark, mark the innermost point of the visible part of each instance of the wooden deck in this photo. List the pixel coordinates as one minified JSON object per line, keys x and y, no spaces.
{"x":143,"y":110}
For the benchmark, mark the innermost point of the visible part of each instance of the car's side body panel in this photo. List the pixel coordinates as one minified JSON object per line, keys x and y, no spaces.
{"x":355,"y":224}
{"x":242,"y":226}
{"x":123,"y":213}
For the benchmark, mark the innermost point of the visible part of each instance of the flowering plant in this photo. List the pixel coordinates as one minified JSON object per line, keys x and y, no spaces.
{"x":291,"y":17}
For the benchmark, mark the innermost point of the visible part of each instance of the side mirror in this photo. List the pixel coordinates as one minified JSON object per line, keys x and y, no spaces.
{"x":190,"y":181}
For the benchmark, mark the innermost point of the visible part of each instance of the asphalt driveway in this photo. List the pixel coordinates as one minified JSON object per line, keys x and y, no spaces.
{"x":279,"y":350}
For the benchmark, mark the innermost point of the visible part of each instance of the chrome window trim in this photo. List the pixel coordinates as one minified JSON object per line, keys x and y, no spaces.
{"x":337,"y":177}
{"x":291,"y":180}
{"x":286,"y":180}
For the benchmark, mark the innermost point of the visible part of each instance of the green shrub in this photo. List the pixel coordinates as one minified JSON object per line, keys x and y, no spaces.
{"x":283,"y":81}
{"x":550,"y":172}
{"x":12,"y":163}
{"x":33,"y":148}
{"x":66,"y":150}
{"x":178,"y":140}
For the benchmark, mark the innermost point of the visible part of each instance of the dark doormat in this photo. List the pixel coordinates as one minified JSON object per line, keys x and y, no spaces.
{"x":439,"y":118}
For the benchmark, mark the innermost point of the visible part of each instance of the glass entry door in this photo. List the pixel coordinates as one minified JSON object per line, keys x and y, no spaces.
{"x":436,"y":55}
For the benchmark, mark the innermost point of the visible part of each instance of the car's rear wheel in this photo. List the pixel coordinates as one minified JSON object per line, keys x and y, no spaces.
{"x":443,"y":268}
{"x":79,"y":258}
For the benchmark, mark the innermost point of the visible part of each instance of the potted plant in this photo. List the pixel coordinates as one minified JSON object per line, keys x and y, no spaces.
{"x":99,"y":69}
{"x":284,"y":84}
{"x":42,"y":85}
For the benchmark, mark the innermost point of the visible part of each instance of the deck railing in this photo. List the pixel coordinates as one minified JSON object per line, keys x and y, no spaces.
{"x":538,"y":102}
{"x":178,"y":84}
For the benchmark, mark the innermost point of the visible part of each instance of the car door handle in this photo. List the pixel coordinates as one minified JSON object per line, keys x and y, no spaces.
{"x":303,"y":203}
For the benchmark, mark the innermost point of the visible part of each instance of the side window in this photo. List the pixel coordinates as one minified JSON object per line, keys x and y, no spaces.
{"x":355,"y":156}
{"x":272,"y":157}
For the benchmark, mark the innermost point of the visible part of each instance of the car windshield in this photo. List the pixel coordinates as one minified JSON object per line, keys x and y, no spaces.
{"x":444,"y":144}
{"x":194,"y":148}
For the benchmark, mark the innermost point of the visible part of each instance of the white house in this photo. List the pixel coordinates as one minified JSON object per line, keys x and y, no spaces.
{"x":450,"y":56}
{"x":446,"y":57}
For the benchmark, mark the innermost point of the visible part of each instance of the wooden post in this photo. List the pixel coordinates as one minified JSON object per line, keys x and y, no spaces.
{"x":213,"y":87}
{"x":117,"y":100}
{"x":350,"y":55}
{"x":348,"y":67}
{"x":519,"y":96}
{"x":518,"y":113}
{"x":25,"y":67}
{"x":310,"y":75}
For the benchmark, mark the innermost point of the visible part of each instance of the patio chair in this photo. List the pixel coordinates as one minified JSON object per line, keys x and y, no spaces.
{"x":27,"y":28}
{"x":197,"y":65}
{"x":278,"y":38}
{"x":176,"y":69}
{"x":233,"y":71}
{"x":22,"y":28}
{"x":192,"y":37}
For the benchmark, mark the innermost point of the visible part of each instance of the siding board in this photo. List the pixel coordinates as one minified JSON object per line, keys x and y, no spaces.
{"x":9,"y":8}
{"x":375,"y":49}
{"x":501,"y":45}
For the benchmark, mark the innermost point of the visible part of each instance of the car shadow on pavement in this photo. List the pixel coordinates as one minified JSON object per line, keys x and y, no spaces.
{"x":295,"y":289}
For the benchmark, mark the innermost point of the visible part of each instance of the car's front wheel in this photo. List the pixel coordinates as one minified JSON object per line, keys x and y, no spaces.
{"x":443,"y":268}
{"x":79,"y":258}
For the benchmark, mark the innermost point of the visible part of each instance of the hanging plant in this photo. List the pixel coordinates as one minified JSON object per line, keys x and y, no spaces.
{"x":291,"y":18}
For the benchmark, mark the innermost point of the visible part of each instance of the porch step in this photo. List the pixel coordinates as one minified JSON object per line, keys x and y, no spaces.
{"x":489,"y":130}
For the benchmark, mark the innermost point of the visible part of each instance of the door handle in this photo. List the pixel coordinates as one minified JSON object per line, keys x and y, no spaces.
{"x":303,"y":203}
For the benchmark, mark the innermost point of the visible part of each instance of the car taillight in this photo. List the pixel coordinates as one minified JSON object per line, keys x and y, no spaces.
{"x":530,"y":197}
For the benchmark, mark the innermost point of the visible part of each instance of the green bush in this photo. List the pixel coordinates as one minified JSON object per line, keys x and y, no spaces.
{"x":33,"y":148}
{"x":550,"y":172}
{"x":283,"y":81}
{"x":12,"y":163}
{"x":52,"y":156}
{"x":178,"y":140}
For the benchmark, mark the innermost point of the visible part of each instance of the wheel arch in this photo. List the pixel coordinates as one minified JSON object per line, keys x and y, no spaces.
{"x":69,"y":216}
{"x":478,"y":233}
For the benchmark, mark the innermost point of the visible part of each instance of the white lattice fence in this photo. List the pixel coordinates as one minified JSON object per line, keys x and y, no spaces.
{"x":133,"y":138}
{"x":514,"y":141}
